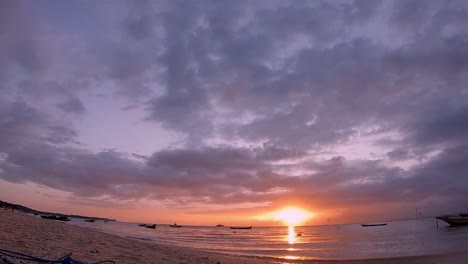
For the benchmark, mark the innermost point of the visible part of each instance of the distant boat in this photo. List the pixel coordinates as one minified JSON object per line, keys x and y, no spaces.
{"x":381,"y":224}
{"x":240,"y":227}
{"x":53,"y":217}
{"x":153,"y":226}
{"x":175,"y":225}
{"x":89,"y":220}
{"x":141,"y":224}
{"x":455,"y":220}
{"x":219,"y":225}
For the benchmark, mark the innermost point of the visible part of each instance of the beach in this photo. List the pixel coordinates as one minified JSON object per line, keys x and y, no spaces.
{"x":53,"y":239}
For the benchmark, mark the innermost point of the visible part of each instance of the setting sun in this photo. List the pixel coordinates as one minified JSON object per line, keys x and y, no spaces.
{"x":292,"y":216}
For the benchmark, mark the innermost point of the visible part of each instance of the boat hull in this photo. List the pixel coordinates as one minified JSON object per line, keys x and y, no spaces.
{"x":240,"y":227}
{"x":367,"y":225}
{"x":454,"y":220}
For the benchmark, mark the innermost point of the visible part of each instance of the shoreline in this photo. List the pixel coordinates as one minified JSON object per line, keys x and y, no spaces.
{"x":50,"y":239}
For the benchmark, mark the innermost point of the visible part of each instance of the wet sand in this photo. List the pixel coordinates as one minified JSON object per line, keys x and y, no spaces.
{"x":53,"y":239}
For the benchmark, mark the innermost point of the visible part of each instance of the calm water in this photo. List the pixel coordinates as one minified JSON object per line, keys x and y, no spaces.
{"x":402,"y":238}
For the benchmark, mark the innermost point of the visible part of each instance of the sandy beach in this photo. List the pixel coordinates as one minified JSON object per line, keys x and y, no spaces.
{"x":52,"y":239}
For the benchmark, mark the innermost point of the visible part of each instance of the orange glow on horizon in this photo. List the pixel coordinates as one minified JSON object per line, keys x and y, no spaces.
{"x":292,"y":216}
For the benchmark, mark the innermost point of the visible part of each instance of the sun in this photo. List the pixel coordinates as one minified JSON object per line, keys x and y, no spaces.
{"x":292,"y":216}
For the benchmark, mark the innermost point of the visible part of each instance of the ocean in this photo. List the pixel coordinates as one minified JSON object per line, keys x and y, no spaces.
{"x":397,"y":239}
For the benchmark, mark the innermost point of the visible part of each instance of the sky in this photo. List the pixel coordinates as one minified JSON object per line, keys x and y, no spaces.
{"x":207,"y":112}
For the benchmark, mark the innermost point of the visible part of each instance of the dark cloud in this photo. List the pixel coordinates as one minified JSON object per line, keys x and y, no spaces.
{"x":72,"y":105}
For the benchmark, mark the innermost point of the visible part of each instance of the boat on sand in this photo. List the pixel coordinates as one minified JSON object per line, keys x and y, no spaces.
{"x":54,"y":217}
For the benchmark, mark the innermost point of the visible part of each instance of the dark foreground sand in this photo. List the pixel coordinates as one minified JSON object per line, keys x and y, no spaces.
{"x":50,"y":239}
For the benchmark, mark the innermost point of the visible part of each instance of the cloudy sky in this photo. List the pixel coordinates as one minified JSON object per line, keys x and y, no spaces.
{"x":209,"y":111}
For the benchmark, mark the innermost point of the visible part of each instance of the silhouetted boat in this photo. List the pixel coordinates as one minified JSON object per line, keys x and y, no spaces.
{"x":141,"y":224}
{"x":240,"y":227}
{"x":381,"y":224}
{"x":219,"y":225}
{"x":153,"y":226}
{"x":89,"y":220}
{"x":53,"y":217}
{"x":175,"y":225}
{"x":455,"y":220}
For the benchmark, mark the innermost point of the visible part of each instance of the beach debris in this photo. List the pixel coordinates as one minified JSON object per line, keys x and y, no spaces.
{"x":7,"y":255}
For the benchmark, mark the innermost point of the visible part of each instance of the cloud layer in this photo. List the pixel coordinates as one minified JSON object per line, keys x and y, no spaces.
{"x":341,"y":104}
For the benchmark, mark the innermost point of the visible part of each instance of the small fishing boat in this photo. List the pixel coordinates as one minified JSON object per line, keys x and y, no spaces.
{"x":53,"y":217}
{"x":175,"y":225}
{"x":89,"y":220}
{"x":240,"y":227}
{"x":455,"y":220}
{"x":381,"y":224}
{"x":153,"y":226}
{"x":62,"y":218}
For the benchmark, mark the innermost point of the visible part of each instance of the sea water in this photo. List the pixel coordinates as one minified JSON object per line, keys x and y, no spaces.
{"x":396,"y":239}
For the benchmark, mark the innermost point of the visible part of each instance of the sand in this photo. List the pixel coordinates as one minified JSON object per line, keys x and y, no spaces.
{"x":53,"y":239}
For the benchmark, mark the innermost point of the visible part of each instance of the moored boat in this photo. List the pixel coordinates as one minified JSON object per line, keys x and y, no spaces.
{"x":455,"y":220}
{"x":240,"y":227}
{"x":153,"y":226}
{"x":141,"y":224}
{"x":175,"y":225}
{"x":380,"y":224}
{"x":53,"y":217}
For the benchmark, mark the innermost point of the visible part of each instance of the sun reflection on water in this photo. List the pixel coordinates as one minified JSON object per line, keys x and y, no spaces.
{"x":291,"y":235}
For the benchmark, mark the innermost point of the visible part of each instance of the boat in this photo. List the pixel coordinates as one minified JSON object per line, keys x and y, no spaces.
{"x":153,"y":226}
{"x":89,"y":220}
{"x":240,"y":227}
{"x":175,"y":225}
{"x":454,"y":220}
{"x":141,"y":224}
{"x":381,"y":224}
{"x":62,"y":218}
{"x":53,"y":217}
{"x":219,"y":225}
